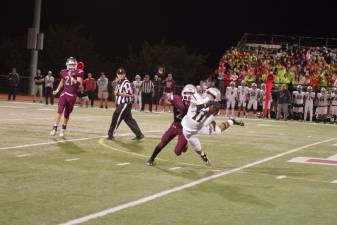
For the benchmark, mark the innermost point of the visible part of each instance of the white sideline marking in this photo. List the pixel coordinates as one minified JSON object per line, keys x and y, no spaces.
{"x":185,"y":186}
{"x":334,"y":157}
{"x":175,"y":168}
{"x":299,"y":159}
{"x":70,"y":140}
{"x":281,"y":177}
{"x":123,"y":164}
{"x":334,"y":182}
{"x":49,"y":143}
{"x":74,"y":159}
{"x":13,"y":107}
{"x":46,"y":109}
{"x":23,"y":155}
{"x":335,"y":144}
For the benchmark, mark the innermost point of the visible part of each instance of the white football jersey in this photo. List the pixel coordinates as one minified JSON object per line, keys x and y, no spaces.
{"x":333,"y":99}
{"x":298,"y":97}
{"x":322,"y":99}
{"x":263,"y":95}
{"x":242,"y":92}
{"x":195,"y":119}
{"x":231,"y":93}
{"x":309,"y":97}
{"x":136,"y":86}
{"x":253,"y":94}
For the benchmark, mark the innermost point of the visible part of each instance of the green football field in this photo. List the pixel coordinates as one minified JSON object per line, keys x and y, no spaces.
{"x":85,"y":179}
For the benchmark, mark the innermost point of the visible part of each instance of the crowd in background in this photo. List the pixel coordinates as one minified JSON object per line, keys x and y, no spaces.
{"x":241,"y":78}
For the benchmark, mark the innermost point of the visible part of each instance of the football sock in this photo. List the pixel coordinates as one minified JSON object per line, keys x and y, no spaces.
{"x":64,"y":127}
{"x":155,"y":153}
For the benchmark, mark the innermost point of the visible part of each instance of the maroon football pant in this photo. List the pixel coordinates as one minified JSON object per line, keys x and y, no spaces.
{"x":66,"y":104}
{"x":174,"y":130}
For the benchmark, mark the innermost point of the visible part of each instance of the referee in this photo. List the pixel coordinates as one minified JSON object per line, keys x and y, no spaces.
{"x":124,"y":99}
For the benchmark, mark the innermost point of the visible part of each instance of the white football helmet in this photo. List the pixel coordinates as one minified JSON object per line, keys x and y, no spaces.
{"x":137,"y":77}
{"x":263,"y":86}
{"x":299,"y":88}
{"x":188,"y":91}
{"x":254,"y":85}
{"x":215,"y":93}
{"x":334,"y":90}
{"x":71,"y":63}
{"x":309,"y":89}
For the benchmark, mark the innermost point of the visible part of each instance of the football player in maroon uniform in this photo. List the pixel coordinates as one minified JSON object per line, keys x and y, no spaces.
{"x":180,"y":107}
{"x":71,"y":81}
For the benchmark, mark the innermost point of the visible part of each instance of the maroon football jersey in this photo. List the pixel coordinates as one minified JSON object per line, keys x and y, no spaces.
{"x":169,"y":85}
{"x":180,"y":108}
{"x":66,"y":75}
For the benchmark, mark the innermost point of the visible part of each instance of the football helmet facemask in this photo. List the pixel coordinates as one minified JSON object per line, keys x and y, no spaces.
{"x":188,"y":91}
{"x":71,"y":63}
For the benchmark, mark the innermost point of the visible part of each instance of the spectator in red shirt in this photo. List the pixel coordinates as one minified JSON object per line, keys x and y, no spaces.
{"x":90,"y":87}
{"x":168,"y":89}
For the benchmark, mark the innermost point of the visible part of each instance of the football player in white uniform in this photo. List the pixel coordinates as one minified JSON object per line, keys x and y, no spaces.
{"x":322,"y":107}
{"x":263,"y":98}
{"x":242,"y":96}
{"x":199,"y":120}
{"x":298,"y":100}
{"x":253,"y":96}
{"x":137,"y":95}
{"x":309,"y":97}
{"x":333,"y":105}
{"x":231,"y":96}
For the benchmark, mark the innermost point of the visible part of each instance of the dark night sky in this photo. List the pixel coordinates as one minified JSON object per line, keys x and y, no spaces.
{"x":203,"y":26}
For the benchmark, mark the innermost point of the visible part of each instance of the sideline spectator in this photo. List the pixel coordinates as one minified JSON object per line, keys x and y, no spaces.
{"x":147,"y":90}
{"x":102,"y":84}
{"x":283,"y":100}
{"x":168,"y":88}
{"x":157,"y":90}
{"x":137,"y":96}
{"x":90,"y":87}
{"x":38,"y":85}
{"x":13,"y":83}
{"x":49,"y":87}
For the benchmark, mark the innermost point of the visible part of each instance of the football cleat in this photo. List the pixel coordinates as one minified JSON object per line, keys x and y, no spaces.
{"x":138,"y":137}
{"x":150,"y":162}
{"x":237,"y":121}
{"x":205,"y":159}
{"x":61,"y":134}
{"x":52,"y":132}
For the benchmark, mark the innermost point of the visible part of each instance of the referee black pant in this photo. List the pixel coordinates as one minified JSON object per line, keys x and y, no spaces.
{"x":146,"y":99}
{"x":123,"y":112}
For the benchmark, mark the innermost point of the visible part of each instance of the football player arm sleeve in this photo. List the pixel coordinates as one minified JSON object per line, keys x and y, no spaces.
{"x":177,"y":102}
{"x":59,"y":87}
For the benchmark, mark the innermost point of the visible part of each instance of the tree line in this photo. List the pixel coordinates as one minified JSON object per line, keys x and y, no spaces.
{"x":62,"y":42}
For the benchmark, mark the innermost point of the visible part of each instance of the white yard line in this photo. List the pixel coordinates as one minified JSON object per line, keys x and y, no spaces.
{"x":12,"y":107}
{"x":281,"y":177}
{"x":175,"y":168}
{"x":74,"y":159}
{"x":123,"y":164}
{"x":185,"y":186}
{"x":23,"y":155}
{"x":334,"y":182}
{"x":70,"y":140}
{"x":49,"y":143}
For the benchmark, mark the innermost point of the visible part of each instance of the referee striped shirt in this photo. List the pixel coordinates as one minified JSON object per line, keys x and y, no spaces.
{"x":147,"y":86}
{"x":124,"y":86}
